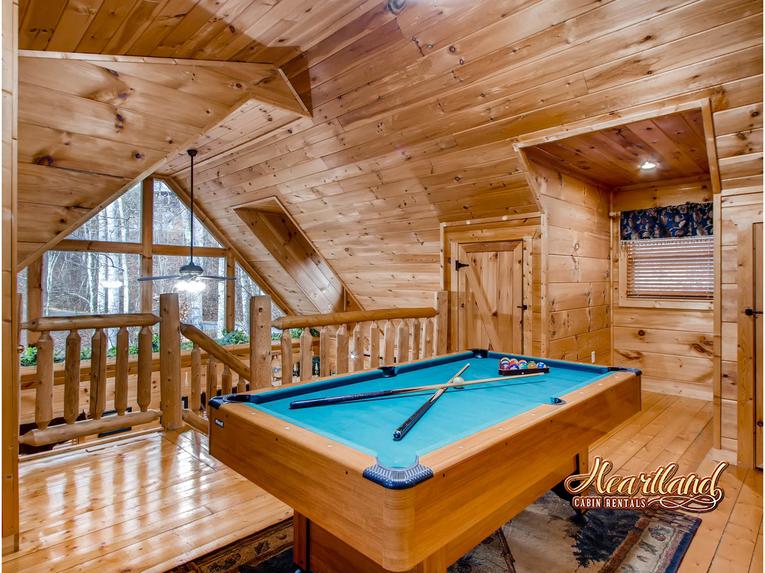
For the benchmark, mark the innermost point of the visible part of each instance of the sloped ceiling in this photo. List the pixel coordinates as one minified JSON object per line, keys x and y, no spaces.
{"x":414,"y":115}
{"x":89,"y":126}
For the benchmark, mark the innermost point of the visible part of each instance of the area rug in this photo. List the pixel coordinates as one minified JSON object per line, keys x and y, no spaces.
{"x":548,"y":537}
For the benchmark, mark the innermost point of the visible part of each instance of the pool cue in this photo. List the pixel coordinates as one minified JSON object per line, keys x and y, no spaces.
{"x":404,"y":428}
{"x":329,"y":400}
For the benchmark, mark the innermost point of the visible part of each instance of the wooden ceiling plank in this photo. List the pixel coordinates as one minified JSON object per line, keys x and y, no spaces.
{"x":106,"y":23}
{"x":673,"y":162}
{"x":39,"y":23}
{"x":60,"y":187}
{"x":168,"y":17}
{"x":192,"y":21}
{"x":73,"y":23}
{"x":139,"y":19}
{"x":225,"y":14}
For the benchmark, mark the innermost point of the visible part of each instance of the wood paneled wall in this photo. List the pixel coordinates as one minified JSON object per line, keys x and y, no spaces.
{"x":739,"y":144}
{"x":575,"y":265}
{"x":10,"y":12}
{"x":673,"y":347}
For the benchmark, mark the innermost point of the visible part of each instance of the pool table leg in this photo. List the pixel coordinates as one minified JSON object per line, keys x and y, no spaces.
{"x":582,"y":466}
{"x":316,"y":549}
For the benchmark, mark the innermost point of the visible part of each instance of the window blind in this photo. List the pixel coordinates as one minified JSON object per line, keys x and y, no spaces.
{"x":670,"y":268}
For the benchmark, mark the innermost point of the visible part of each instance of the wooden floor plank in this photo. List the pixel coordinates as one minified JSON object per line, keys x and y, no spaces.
{"x":157,"y":501}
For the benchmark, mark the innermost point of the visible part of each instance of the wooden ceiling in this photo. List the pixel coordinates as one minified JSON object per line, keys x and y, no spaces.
{"x":414,"y":116}
{"x":675,"y":143}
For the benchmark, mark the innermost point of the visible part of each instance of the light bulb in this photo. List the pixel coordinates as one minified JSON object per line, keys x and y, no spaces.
{"x":190,"y":286}
{"x":648,"y":165}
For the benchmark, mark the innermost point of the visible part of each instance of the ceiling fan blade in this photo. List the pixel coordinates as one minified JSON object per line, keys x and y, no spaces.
{"x":163,"y":277}
{"x":215,"y":278}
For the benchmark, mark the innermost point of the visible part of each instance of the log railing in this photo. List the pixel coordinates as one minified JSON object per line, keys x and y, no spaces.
{"x":96,"y":422}
{"x":344,"y":342}
{"x":360,"y":340}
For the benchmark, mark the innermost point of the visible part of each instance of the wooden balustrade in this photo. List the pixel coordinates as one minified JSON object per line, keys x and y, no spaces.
{"x":99,"y":371}
{"x":357,"y":340}
{"x":346,"y":342}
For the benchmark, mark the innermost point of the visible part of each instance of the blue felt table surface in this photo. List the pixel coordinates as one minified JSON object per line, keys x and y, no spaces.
{"x":368,"y":425}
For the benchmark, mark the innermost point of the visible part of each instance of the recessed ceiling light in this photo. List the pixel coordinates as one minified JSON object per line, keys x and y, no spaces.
{"x":648,"y":165}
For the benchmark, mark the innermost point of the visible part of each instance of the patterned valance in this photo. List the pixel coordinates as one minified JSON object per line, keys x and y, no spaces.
{"x":689,"y":220}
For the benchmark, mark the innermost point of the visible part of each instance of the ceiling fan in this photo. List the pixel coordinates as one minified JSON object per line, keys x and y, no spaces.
{"x":190,"y":276}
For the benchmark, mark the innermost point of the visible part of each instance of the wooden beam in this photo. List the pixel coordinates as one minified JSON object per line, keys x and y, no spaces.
{"x":34,"y":295}
{"x":85,"y":322}
{"x":230,"y":291}
{"x":147,"y":240}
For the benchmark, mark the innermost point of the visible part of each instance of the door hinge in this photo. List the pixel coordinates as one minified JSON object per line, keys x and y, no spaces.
{"x":458,"y":265}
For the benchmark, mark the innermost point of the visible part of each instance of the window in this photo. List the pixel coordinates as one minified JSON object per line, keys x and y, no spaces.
{"x":76,"y":282}
{"x":171,"y":220}
{"x":667,"y":253}
{"x":670,"y":268}
{"x":245,"y":289}
{"x":119,"y":221}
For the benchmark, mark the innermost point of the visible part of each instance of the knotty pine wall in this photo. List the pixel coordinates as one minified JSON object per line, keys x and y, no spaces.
{"x":575,"y":237}
{"x":673,"y":347}
{"x":738,"y":131}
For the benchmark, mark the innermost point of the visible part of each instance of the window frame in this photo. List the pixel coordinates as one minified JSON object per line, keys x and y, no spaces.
{"x":680,"y":303}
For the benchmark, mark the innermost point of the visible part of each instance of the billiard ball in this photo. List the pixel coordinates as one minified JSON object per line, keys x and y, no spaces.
{"x":458,"y":380}
{"x":515,"y":366}
{"x":531,"y":364}
{"x":541,"y":365}
{"x":522,"y":364}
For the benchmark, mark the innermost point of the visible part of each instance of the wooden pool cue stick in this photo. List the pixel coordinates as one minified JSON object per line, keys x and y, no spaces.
{"x":329,"y":400}
{"x":404,"y":428}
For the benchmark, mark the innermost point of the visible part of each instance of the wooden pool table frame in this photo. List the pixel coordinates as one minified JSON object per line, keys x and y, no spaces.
{"x":345,"y":522}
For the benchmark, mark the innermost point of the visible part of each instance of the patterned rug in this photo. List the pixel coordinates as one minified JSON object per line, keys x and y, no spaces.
{"x":548,"y":537}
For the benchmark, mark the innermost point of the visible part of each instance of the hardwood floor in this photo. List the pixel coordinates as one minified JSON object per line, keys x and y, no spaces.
{"x":158,"y":500}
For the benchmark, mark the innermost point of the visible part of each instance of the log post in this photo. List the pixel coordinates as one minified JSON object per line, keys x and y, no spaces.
{"x":44,"y":393}
{"x":402,"y":342}
{"x":442,"y":322}
{"x":225,"y":380}
{"x":121,"y":374}
{"x":428,"y":341}
{"x":286,"y":348}
{"x":144,"y":368}
{"x":260,"y":341}
{"x":97,"y":374}
{"x":390,"y":343}
{"x":170,"y":361}
{"x":195,"y":386}
{"x":357,"y":354}
{"x":72,"y":377}
{"x":306,"y":355}
{"x":416,"y":339}
{"x":325,"y":351}
{"x":212,"y":381}
{"x":374,"y":345}
{"x":341,"y":349}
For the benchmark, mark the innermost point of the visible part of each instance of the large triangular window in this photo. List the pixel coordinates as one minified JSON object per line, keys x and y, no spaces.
{"x":171,"y":220}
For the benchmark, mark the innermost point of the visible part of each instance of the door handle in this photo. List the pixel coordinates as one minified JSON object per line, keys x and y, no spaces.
{"x":752,"y":312}
{"x":523,"y":306}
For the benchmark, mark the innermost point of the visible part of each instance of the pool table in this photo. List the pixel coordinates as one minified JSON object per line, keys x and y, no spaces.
{"x":365,"y":503}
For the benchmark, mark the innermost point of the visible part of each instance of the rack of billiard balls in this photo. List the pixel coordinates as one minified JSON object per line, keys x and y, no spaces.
{"x":519,"y":367}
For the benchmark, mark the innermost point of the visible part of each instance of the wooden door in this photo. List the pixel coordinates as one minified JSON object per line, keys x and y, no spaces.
{"x":490,"y":282}
{"x":758,"y":342}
